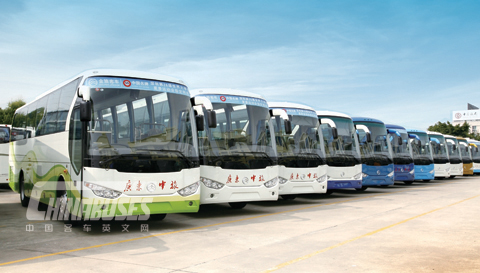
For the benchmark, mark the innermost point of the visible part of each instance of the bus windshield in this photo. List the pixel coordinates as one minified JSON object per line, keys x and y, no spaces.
{"x":465,"y":151}
{"x":475,"y":152}
{"x":304,"y":146}
{"x":4,"y":134}
{"x":422,"y":154}
{"x":242,"y":138}
{"x":379,"y":151}
{"x":454,"y":152}
{"x":138,"y":130}
{"x":440,"y":153}
{"x":343,"y":150}
{"x":401,"y":152}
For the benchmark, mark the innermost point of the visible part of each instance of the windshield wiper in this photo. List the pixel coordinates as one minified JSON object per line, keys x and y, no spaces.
{"x":181,"y":155}
{"x":113,"y":158}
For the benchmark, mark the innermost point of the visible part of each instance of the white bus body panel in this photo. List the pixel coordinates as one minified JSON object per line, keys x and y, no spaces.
{"x":4,"y":163}
{"x":442,"y":170}
{"x":340,"y":174}
{"x":303,"y":180}
{"x":238,"y":185}
{"x":456,"y":169}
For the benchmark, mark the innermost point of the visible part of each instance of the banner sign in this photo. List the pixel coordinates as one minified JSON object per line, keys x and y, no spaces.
{"x":466,"y":115}
{"x":236,"y":100}
{"x":139,"y":84}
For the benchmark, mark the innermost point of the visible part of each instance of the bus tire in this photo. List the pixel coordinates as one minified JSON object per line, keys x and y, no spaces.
{"x":237,"y":205}
{"x":439,"y":178}
{"x":288,"y":197}
{"x":363,"y":188}
{"x":157,"y":217}
{"x":452,"y":176}
{"x":23,"y":198}
{"x":408,"y":182}
{"x":62,"y":196}
{"x":426,"y":180}
{"x":328,"y":192}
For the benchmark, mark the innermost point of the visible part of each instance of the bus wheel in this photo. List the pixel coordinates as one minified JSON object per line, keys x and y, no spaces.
{"x":23,"y":198}
{"x":439,"y":178}
{"x":363,"y":188}
{"x":408,"y":182}
{"x":384,"y":186}
{"x":329,"y":192}
{"x":288,"y":197}
{"x":452,"y":176}
{"x":157,"y":217}
{"x":237,"y":205}
{"x":426,"y":180}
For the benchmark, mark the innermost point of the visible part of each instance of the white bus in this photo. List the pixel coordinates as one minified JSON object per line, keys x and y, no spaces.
{"x":238,"y":158}
{"x":454,"y":155}
{"x":441,"y":158}
{"x":300,"y":149}
{"x":108,"y":143}
{"x":342,"y":150}
{"x":4,"y":146}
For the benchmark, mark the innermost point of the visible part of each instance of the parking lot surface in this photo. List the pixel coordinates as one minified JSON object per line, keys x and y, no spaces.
{"x":424,"y":227}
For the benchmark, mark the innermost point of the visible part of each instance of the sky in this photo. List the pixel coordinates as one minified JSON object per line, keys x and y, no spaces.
{"x":409,"y":63}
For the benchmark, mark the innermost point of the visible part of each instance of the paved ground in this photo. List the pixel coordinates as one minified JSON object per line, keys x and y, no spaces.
{"x":424,"y":227}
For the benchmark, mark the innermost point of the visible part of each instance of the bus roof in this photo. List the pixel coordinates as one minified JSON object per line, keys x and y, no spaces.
{"x":224,"y":91}
{"x":360,"y":119}
{"x":277,"y":104}
{"x":416,"y":131}
{"x":112,"y":73}
{"x":449,"y":136}
{"x":434,"y":133}
{"x":332,"y":114}
{"x":461,"y":138}
{"x":393,"y":126}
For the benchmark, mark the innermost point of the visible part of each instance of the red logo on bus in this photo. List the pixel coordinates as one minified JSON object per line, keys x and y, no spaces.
{"x":127,"y":83}
{"x":458,"y":115}
{"x":222,"y":98}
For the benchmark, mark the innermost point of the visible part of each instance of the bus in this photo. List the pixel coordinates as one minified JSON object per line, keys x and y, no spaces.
{"x":238,"y":155}
{"x":454,"y":155}
{"x":4,"y":146}
{"x":108,"y":144}
{"x":465,"y":151}
{"x":422,"y":155}
{"x":376,"y":152}
{"x":342,"y":151}
{"x":440,"y":155}
{"x":474,"y":145}
{"x":300,"y":149}
{"x":402,"y":154}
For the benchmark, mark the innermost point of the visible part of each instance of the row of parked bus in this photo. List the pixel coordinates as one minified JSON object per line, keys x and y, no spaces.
{"x":112,"y":142}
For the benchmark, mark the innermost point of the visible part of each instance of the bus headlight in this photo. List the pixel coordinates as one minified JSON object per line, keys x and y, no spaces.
{"x":189,"y":190}
{"x":358,"y":176}
{"x":102,"y":191}
{"x":364,"y":175}
{"x":282,"y":180}
{"x":431,"y":171}
{"x":412,"y":172}
{"x":271,"y":183}
{"x":211,"y":184}
{"x":322,"y":178}
{"x":447,"y":170}
{"x":391,"y":174}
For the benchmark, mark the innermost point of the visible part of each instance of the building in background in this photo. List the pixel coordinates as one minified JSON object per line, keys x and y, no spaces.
{"x":470,"y":116}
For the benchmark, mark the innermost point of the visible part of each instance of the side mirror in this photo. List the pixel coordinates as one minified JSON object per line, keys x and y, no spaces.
{"x":84,"y":92}
{"x":369,"y":137}
{"x":212,"y":119}
{"x":334,"y":133}
{"x":400,"y":141}
{"x":85,"y":111}
{"x":454,"y":147}
{"x":288,"y":127}
{"x":200,"y":123}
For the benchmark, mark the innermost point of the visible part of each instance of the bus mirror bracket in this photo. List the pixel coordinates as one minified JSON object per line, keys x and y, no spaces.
{"x":85,"y":111}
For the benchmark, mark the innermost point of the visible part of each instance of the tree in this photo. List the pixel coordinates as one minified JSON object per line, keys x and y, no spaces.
{"x":457,"y":130}
{"x":6,"y":115}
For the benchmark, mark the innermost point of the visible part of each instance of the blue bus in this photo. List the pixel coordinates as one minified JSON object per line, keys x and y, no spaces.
{"x":402,"y":154}
{"x":342,"y":151}
{"x":422,"y":155}
{"x":376,"y":152}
